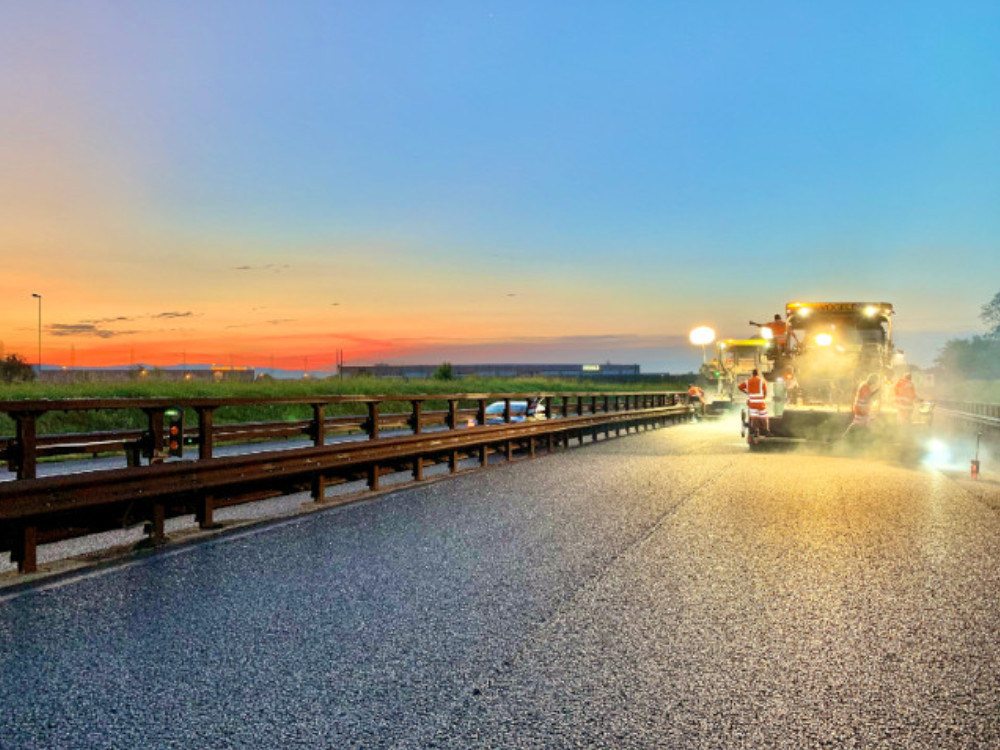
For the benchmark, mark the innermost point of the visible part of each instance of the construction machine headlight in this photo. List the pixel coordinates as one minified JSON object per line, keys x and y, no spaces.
{"x":767,"y":333}
{"x":937,"y":454}
{"x":823,"y":339}
{"x":870,"y":311}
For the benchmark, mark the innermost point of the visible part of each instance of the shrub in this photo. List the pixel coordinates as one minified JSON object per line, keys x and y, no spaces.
{"x":14,"y":369}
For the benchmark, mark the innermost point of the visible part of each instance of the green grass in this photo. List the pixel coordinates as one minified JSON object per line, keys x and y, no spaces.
{"x":90,"y":421}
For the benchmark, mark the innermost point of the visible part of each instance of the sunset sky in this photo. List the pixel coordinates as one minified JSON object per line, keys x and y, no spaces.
{"x":264,"y":183}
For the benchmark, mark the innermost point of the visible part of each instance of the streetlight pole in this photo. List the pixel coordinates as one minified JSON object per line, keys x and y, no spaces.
{"x":39,"y":334}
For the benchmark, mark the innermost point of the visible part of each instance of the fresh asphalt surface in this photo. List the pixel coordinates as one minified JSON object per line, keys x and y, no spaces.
{"x":666,"y":589}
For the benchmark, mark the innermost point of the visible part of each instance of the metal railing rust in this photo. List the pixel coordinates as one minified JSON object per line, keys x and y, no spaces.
{"x":36,"y":510}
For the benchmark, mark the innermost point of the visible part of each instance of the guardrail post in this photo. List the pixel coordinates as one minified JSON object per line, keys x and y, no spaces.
{"x":156,"y":526}
{"x":579,"y":406}
{"x":206,"y":440}
{"x":25,"y":552}
{"x":452,"y":413}
{"x":153,"y":443}
{"x":373,"y":477}
{"x":319,"y":424}
{"x":415,"y":417}
{"x":565,"y":406}
{"x":418,"y":468}
{"x":204,"y":513}
{"x":26,"y":447}
{"x":371,"y":426}
{"x":484,"y":450}
{"x":506,"y":410}
{"x":317,"y":489}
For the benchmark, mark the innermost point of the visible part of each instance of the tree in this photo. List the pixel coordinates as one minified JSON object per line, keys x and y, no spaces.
{"x":14,"y":369}
{"x":990,"y":315}
{"x":977,"y":358}
{"x":444,"y":372}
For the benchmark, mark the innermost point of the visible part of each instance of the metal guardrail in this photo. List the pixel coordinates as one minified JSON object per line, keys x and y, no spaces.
{"x":983,"y":415}
{"x":121,"y":441}
{"x":37,"y":510}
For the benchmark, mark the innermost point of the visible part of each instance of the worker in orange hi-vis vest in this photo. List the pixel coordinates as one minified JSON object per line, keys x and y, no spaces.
{"x":696,"y":394}
{"x":779,"y":332}
{"x":906,"y":398}
{"x":863,"y":397}
{"x":756,"y":389}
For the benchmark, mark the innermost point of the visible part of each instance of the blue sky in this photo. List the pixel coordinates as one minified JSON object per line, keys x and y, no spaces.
{"x":560,"y":181}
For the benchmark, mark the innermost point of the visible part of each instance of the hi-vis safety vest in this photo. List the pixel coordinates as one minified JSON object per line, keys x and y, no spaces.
{"x":756,"y":390}
{"x":906,"y":394}
{"x":863,"y":400}
{"x":780,"y":330}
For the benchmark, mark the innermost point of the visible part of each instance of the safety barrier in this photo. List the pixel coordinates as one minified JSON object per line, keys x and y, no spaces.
{"x":36,"y":510}
{"x":984,"y":416}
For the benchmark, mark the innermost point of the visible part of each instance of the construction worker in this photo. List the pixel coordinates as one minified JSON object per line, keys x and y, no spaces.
{"x":866,"y":393}
{"x":791,"y":384}
{"x":779,"y":332}
{"x":696,"y":394}
{"x":906,"y":397}
{"x":756,"y":389}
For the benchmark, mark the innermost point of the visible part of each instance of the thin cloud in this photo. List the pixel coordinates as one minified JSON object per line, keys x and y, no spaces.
{"x":84,"y":329}
{"x":276,"y":322}
{"x":272,"y":267}
{"x":104,"y":321}
{"x":157,"y":316}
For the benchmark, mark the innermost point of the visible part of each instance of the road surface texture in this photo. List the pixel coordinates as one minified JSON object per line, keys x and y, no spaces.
{"x":668,"y":589}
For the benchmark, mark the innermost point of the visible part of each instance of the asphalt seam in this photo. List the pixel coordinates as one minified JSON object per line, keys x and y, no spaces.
{"x":540,"y":630}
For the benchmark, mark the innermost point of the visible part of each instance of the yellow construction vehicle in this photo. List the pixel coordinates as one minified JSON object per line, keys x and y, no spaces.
{"x":830,"y":348}
{"x":735,"y":360}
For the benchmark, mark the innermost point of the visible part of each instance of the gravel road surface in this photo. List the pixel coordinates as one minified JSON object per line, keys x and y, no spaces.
{"x":667,"y":589}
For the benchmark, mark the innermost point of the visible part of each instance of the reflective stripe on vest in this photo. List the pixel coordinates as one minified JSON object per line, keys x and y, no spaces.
{"x":863,"y":400}
{"x":905,"y":394}
{"x":756,"y":388}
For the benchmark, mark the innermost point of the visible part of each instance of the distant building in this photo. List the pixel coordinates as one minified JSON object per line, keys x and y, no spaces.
{"x":494,"y":371}
{"x":142,"y":372}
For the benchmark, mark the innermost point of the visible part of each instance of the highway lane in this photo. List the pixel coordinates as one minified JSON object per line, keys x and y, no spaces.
{"x":665,"y":589}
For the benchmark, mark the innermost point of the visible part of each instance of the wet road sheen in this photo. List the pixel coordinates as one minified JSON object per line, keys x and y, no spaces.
{"x":668,"y":589}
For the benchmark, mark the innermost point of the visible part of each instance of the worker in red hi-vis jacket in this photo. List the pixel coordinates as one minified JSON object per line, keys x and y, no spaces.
{"x":906,"y":398}
{"x":696,"y":394}
{"x":864,"y":396}
{"x":779,"y":332}
{"x":756,"y":389}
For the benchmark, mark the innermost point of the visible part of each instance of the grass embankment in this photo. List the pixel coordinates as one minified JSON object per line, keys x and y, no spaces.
{"x":117,"y":419}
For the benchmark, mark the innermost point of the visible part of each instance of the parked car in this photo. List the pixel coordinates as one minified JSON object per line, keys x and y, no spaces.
{"x":519,"y":412}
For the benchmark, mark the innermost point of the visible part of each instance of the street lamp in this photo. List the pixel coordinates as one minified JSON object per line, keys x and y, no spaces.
{"x":39,"y":334}
{"x":702,"y":336}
